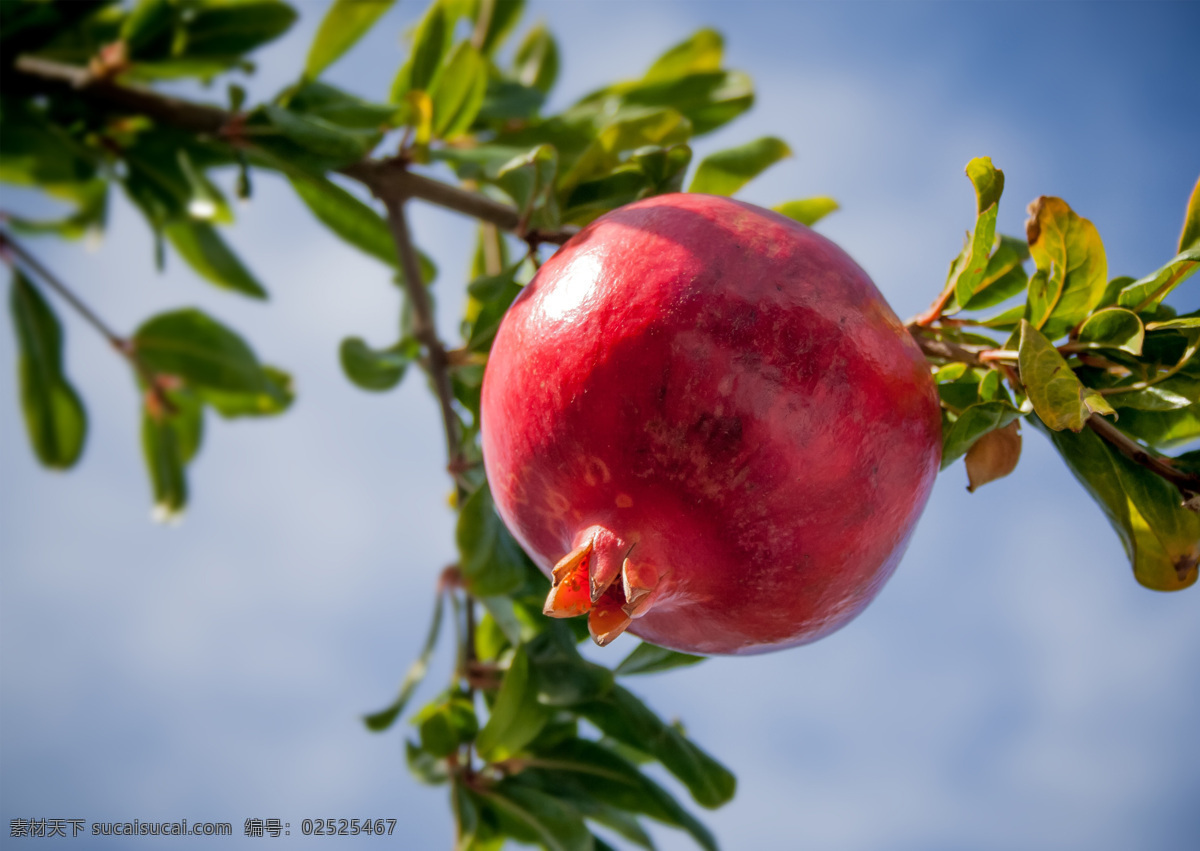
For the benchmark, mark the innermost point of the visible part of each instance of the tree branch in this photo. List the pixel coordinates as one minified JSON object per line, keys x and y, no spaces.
{"x":1188,"y":484}
{"x":385,"y":178}
{"x":425,"y":330}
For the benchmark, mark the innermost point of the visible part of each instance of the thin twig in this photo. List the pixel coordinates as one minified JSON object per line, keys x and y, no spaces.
{"x":46,"y":276}
{"x":425,"y":330}
{"x":385,"y":178}
{"x":1188,"y":484}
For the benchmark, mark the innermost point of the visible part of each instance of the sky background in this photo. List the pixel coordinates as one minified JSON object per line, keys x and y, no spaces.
{"x":1011,"y":687}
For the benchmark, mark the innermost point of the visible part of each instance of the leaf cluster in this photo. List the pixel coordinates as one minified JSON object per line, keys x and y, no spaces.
{"x":1105,"y":366}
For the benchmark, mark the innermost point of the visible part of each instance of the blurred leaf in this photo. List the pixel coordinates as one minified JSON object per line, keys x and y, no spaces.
{"x":425,"y":766}
{"x":646,"y":127}
{"x":170,"y":439}
{"x":458,"y":93}
{"x":1161,"y":538}
{"x":1113,"y":328}
{"x":517,"y":716}
{"x":324,"y":145}
{"x":536,"y":61}
{"x":1072,"y":270}
{"x":581,"y":768}
{"x":228,"y":29}
{"x":148,"y":22}
{"x":502,"y":16}
{"x":344,"y":24}
{"x":993,"y":456}
{"x":625,"y":718}
{"x":379,"y":721}
{"x":321,"y":100}
{"x":54,"y":415}
{"x":532,"y":816}
{"x":430,"y":43}
{"x":702,"y":51}
{"x":1144,"y":293}
{"x":973,"y":423}
{"x":725,"y":172}
{"x":202,"y":247}
{"x":27,"y":27}
{"x":491,"y":561}
{"x":347,"y":216}
{"x":35,"y":151}
{"x":808,"y":211}
{"x":90,"y":216}
{"x":505,"y":100}
{"x":1058,"y":397}
{"x":195,"y":347}
{"x":707,"y":99}
{"x":1189,"y":237}
{"x":664,"y":167}
{"x":649,"y":658}
{"x":529,"y":180}
{"x":445,"y":725}
{"x":970,"y":268}
{"x":275,"y":397}
{"x":377,"y":369}
{"x":562,"y":676}
{"x":466,"y":816}
{"x":486,"y":321}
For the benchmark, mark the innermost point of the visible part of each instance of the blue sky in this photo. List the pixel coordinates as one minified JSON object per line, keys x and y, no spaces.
{"x":1011,"y":687}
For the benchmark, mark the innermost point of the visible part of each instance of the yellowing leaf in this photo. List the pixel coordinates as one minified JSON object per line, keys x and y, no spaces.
{"x":1058,"y":397}
{"x":1072,"y":270}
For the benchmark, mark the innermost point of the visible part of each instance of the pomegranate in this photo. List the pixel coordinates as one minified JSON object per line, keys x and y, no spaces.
{"x":704,"y":423}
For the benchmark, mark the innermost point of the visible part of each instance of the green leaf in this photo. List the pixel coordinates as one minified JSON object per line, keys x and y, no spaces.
{"x":148,"y":22}
{"x":529,"y":181}
{"x":348,"y":217}
{"x":430,"y":43}
{"x":275,"y":397}
{"x":54,"y":415}
{"x":649,"y":658}
{"x":970,"y":268}
{"x":562,"y":676}
{"x":195,"y":347}
{"x":379,"y":721}
{"x":725,"y":172}
{"x":425,"y":766}
{"x":1163,"y":429}
{"x":579,"y":768}
{"x":447,"y":724}
{"x":502,"y":17}
{"x":707,"y":99}
{"x":377,"y":369}
{"x":1072,"y":271}
{"x":344,"y":24}
{"x":1004,"y":276}
{"x":1161,"y":538}
{"x":1189,"y":237}
{"x":973,"y":423}
{"x":1113,"y":328}
{"x":490,"y":559}
{"x":35,"y":151}
{"x":517,"y":716}
{"x":227,"y":29}
{"x":323,"y":144}
{"x":1058,"y":397}
{"x":170,"y":439}
{"x":702,"y":51}
{"x":808,"y":211}
{"x":321,"y":100}
{"x":536,"y":62}
{"x":1146,"y":293}
{"x":506,"y":100}
{"x":662,"y":126}
{"x":206,"y":252}
{"x":664,"y":167}
{"x":458,"y":94}
{"x":532,"y":816}
{"x":625,"y":718}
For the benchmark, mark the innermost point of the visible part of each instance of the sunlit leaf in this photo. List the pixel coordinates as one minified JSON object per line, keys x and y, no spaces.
{"x":1058,"y":397}
{"x":649,"y":658}
{"x":725,"y":172}
{"x":345,"y":22}
{"x":1189,"y":237}
{"x":1113,"y":328}
{"x":459,"y":91}
{"x":808,"y":211}
{"x":1144,"y":293}
{"x":1072,"y":270}
{"x":702,"y":51}
{"x":536,"y":60}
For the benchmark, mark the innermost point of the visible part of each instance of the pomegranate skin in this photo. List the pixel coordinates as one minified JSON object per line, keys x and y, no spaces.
{"x":722,"y":396}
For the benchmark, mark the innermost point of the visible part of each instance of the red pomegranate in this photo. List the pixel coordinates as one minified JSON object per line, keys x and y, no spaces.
{"x":703,"y":421}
